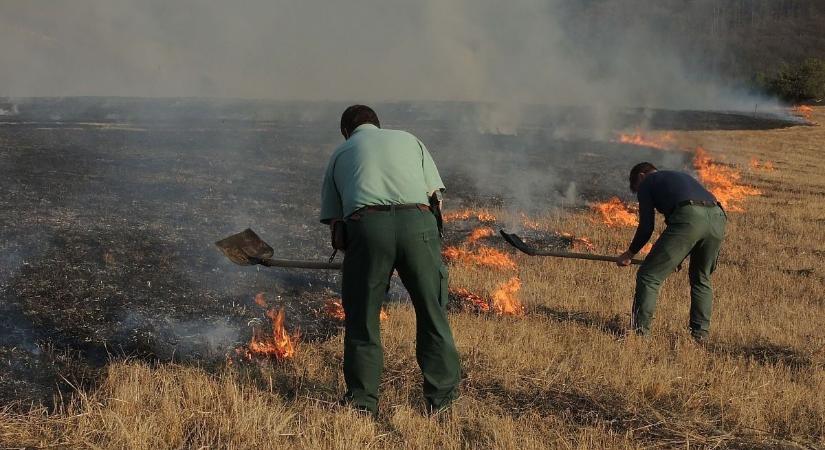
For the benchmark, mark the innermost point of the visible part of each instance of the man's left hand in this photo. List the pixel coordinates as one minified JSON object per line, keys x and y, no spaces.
{"x":624,"y":259}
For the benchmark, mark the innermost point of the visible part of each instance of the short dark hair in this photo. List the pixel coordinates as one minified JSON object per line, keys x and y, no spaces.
{"x":357,"y":115}
{"x":637,"y":171}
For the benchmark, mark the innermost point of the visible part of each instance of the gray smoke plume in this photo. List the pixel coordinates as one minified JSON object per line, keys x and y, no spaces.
{"x":507,"y":53}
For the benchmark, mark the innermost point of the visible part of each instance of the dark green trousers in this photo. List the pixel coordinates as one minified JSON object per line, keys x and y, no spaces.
{"x":406,"y":240}
{"x":691,"y":230}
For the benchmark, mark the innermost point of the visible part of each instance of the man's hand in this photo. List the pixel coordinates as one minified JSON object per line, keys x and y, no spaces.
{"x":623,"y":260}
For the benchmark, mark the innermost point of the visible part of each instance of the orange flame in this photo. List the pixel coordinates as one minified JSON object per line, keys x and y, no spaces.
{"x":261,"y":301}
{"x":480,"y":233}
{"x":766,"y":165}
{"x":532,"y":224}
{"x":484,"y":256}
{"x":279,"y":345}
{"x":470,"y":301}
{"x":482,"y":215}
{"x":505,"y":300}
{"x":579,"y":243}
{"x":722,"y":181}
{"x":804,"y":111}
{"x":662,"y":141}
{"x":646,"y":249}
{"x":335,"y":310}
{"x":615,"y":213}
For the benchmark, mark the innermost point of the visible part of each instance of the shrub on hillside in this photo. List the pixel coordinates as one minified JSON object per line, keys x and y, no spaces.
{"x":798,"y":82}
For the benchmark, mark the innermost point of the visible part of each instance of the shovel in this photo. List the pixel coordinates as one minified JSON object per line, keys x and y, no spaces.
{"x":247,"y":249}
{"x":516,"y":242}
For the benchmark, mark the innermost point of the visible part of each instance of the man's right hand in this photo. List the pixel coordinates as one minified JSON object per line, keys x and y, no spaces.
{"x":624,"y":259}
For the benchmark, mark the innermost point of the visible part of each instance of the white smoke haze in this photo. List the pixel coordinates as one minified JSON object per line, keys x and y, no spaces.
{"x":509,"y":53}
{"x":12,"y":111}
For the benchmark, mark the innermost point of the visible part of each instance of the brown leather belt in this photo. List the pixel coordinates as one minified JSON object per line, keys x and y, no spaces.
{"x":373,"y":208}
{"x":698,"y":203}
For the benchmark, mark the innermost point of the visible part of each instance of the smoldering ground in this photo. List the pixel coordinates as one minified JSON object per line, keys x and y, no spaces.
{"x":109,"y":216}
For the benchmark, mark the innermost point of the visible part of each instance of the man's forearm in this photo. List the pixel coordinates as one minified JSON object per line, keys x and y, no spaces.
{"x":641,"y":238}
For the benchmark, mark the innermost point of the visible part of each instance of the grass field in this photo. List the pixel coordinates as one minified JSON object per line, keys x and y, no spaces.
{"x":564,"y":375}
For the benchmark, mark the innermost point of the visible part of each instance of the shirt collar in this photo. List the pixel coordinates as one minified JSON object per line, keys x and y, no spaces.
{"x":364,"y":126}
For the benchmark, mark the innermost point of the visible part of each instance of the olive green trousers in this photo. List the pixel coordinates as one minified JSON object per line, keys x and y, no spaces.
{"x":379,"y":242}
{"x":695,"y":231}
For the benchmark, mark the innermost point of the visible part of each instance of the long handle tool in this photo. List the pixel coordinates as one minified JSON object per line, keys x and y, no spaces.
{"x":516,"y":242}
{"x":246,"y":249}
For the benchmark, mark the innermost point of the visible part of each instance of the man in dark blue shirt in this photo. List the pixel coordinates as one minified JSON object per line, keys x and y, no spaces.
{"x":695,"y":226}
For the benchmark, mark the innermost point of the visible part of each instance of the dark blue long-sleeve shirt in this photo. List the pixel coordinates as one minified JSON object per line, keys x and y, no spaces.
{"x":664,"y":190}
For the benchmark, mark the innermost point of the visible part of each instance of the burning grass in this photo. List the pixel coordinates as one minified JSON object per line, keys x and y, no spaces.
{"x":764,"y":166}
{"x":482,"y":256}
{"x":276,"y":343}
{"x":615,"y":213}
{"x":661,"y":141}
{"x":469,"y":301}
{"x":804,"y":111}
{"x":334,"y":310}
{"x":560,"y":376}
{"x":723,"y":181}
{"x":482,"y":215}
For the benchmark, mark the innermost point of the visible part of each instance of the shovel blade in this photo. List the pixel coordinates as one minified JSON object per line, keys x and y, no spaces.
{"x":516,"y":242}
{"x":245,"y":248}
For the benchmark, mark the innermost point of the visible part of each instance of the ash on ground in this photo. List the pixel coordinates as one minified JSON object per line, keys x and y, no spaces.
{"x":109,"y":210}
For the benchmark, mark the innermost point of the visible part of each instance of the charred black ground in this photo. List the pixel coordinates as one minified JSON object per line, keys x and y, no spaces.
{"x":109,"y":209}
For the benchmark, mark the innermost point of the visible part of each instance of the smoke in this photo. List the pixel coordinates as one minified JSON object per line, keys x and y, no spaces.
{"x":506,"y":53}
{"x":12,"y":111}
{"x":167,"y":337}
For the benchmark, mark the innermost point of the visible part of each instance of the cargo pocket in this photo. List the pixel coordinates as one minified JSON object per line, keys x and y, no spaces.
{"x":443,"y":295}
{"x":433,"y":242}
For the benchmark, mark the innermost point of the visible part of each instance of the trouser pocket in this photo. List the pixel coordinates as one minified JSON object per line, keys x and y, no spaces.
{"x":443,"y":293}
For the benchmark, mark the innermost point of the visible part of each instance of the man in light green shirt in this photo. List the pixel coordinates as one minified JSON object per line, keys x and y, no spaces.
{"x":378,"y":182}
{"x":377,"y":167}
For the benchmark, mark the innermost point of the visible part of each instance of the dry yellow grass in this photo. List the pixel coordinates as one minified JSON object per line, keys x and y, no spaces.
{"x":562,"y":376}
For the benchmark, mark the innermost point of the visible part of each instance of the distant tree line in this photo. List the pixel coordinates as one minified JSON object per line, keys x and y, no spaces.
{"x":796,"y":82}
{"x":776,"y":45}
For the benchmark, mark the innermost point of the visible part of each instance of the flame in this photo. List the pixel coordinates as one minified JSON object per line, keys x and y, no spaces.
{"x":722,"y":181}
{"x":470,"y":301}
{"x":279,"y":345}
{"x":505,"y":300}
{"x":484,"y":256}
{"x":480,"y":233}
{"x":579,"y":243}
{"x":335,"y":310}
{"x":615,"y":213}
{"x":766,"y":165}
{"x":261,"y":301}
{"x":804,"y":111}
{"x":646,"y":249}
{"x":482,"y":215}
{"x":661,"y":141}
{"x":583,"y":243}
{"x":532,"y":224}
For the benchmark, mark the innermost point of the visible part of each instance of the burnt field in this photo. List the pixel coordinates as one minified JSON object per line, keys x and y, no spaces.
{"x":109,"y":209}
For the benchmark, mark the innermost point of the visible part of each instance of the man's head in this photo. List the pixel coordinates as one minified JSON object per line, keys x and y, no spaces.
{"x":638,"y":173}
{"x":357,"y":115}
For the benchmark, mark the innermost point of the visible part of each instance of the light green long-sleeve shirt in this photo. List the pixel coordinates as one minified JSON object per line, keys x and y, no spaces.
{"x":377,"y":167}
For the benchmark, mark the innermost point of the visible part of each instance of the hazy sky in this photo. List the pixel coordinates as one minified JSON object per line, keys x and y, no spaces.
{"x":506,"y":52}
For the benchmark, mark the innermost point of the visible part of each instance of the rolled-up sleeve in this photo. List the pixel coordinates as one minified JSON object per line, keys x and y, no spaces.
{"x":431,"y":176}
{"x":331,"y":207}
